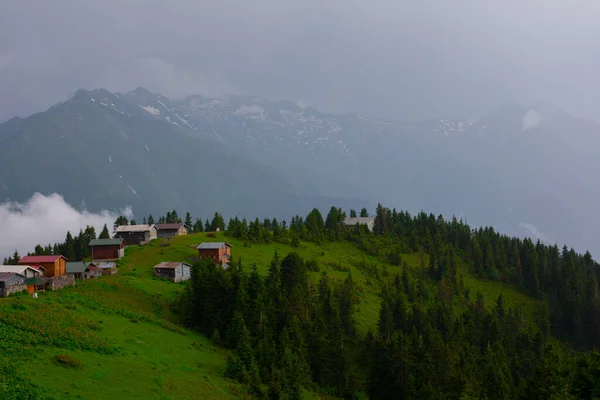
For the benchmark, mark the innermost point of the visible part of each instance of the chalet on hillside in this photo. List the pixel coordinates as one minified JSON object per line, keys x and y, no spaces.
{"x":11,"y":282}
{"x":82,"y":270}
{"x":219,"y":252}
{"x":53,"y":265}
{"x":107,"y":249}
{"x":352,"y":223}
{"x":34,"y":280}
{"x":168,"y":231}
{"x":139,"y":235}
{"x":173,"y":271}
{"x":107,"y":268}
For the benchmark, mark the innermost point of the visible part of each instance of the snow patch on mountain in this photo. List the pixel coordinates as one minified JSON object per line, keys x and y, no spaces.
{"x":185,"y":122}
{"x":531,"y":120}
{"x":254,"y":111}
{"x":151,"y":110}
{"x":173,"y":122}
{"x":163,"y":104}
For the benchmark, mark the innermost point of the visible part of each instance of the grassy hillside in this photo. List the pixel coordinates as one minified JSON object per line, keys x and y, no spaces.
{"x":335,"y":258}
{"x":117,"y":337}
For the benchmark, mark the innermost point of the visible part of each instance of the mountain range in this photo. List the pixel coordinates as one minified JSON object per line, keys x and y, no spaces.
{"x":525,"y":170}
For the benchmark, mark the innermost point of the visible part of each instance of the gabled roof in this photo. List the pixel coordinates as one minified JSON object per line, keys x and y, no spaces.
{"x":36,"y":266}
{"x":77,"y":267}
{"x":170,"y":226}
{"x":358,"y":220}
{"x":212,"y":245}
{"x":17,"y":269}
{"x":4,"y":276}
{"x":39,"y":259}
{"x":134,"y":228}
{"x":106,"y":242}
{"x":170,"y":265}
{"x":106,"y":265}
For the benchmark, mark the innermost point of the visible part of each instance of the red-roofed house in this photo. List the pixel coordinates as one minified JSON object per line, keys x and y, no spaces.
{"x":54,"y":265}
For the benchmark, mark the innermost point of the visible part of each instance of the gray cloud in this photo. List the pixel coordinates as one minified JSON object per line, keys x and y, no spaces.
{"x":404,"y":60}
{"x":43,"y":220}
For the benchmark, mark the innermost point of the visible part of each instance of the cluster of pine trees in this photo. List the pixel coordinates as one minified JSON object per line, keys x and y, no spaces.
{"x":286,"y":333}
{"x":432,"y":340}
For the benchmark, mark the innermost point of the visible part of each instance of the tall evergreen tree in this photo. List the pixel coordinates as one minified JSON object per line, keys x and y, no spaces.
{"x":104,"y":234}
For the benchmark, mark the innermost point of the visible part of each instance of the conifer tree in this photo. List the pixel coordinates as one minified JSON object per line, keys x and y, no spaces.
{"x":104,"y":234}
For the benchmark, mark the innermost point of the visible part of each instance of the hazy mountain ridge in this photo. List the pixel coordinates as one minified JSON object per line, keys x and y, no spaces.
{"x":98,"y":149}
{"x":516,"y":168}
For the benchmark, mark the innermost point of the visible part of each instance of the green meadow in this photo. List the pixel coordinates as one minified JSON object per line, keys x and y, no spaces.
{"x":117,"y":337}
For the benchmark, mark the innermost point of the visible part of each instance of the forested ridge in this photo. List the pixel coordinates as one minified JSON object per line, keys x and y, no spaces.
{"x":434,"y":338}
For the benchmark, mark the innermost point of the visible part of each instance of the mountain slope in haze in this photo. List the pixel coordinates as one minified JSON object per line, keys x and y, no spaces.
{"x":99,"y":150}
{"x":526,"y":170}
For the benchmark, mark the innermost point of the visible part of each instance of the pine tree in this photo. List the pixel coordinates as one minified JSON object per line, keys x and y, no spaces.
{"x":150,"y":220}
{"x":188,"y":220}
{"x":104,"y":234}
{"x":198,"y":226}
{"x":364,"y":213}
{"x":69,"y":251}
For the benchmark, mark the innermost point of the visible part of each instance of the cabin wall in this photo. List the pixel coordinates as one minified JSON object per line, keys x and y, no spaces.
{"x":112,"y":252}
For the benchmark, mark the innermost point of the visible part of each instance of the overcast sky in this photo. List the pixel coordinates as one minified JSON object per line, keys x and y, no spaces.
{"x":385,"y":58}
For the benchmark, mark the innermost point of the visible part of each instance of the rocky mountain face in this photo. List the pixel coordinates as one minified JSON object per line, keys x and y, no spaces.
{"x":525,"y":170}
{"x":103,"y":151}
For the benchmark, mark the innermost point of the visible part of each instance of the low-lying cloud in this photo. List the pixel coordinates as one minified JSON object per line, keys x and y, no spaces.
{"x":45,"y":220}
{"x":533,"y":232}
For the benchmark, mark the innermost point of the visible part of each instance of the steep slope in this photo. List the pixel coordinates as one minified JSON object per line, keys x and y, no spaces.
{"x":97,"y":149}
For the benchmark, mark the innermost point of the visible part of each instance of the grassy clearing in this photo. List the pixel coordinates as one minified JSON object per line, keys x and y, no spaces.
{"x":119,"y":340}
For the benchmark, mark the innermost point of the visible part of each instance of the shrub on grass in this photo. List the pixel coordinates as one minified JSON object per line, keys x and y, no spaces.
{"x":65,"y":360}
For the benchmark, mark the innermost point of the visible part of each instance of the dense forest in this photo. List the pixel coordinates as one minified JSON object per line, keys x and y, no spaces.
{"x":433,"y":339}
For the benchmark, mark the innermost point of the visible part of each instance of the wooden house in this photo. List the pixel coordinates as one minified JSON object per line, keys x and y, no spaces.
{"x":352,"y":223}
{"x":34,"y":277}
{"x":107,"y":249}
{"x":139,"y":235}
{"x":107,"y":268}
{"x":53,"y":265}
{"x":82,"y":270}
{"x":173,"y":271}
{"x":11,"y":282}
{"x":168,"y":231}
{"x":219,"y":252}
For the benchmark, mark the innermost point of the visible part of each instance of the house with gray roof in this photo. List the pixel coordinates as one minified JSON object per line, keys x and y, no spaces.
{"x":11,"y":282}
{"x":139,"y":235}
{"x":108,"y":268}
{"x":356,"y":221}
{"x":173,"y":271}
{"x":168,"y":231}
{"x":219,"y":252}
